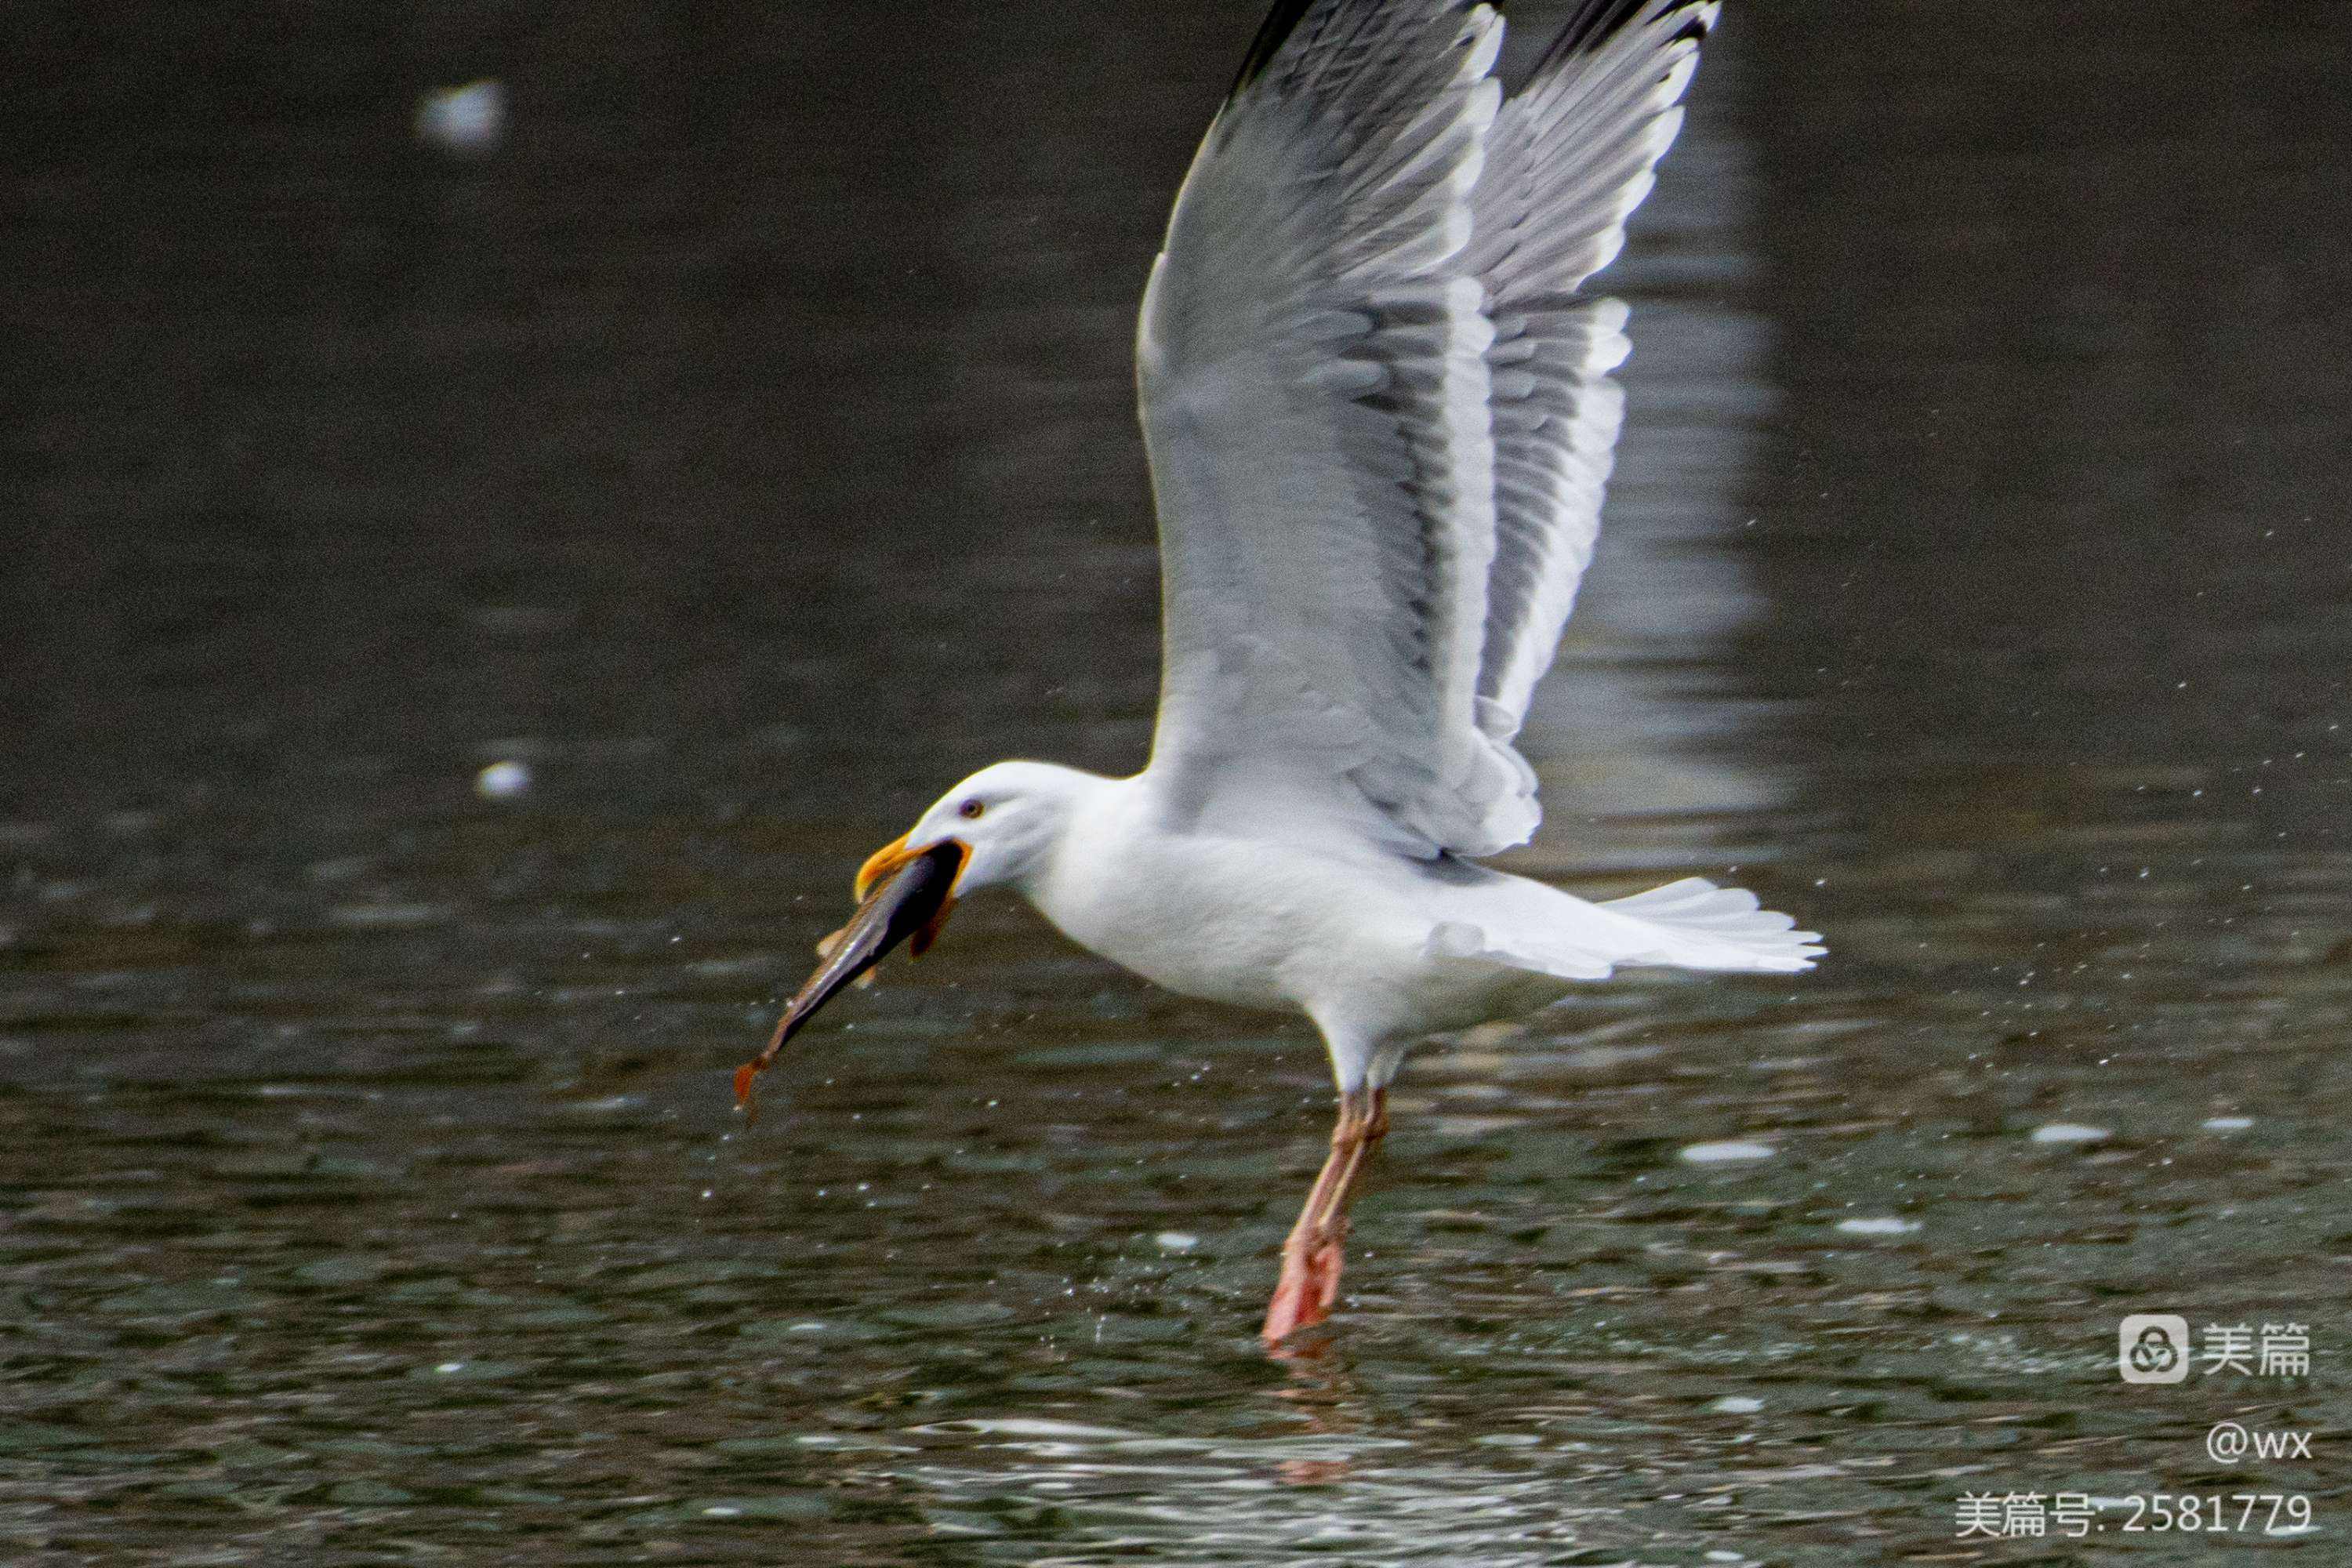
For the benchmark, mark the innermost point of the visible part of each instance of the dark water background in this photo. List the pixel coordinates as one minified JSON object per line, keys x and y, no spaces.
{"x":747,"y":448}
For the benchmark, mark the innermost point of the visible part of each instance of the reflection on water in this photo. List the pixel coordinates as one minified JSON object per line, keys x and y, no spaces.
{"x":471,"y":616}
{"x":1642,"y":684}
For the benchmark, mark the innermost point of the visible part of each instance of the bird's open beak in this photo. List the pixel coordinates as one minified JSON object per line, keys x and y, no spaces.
{"x":953,"y":855}
{"x":902,"y":894}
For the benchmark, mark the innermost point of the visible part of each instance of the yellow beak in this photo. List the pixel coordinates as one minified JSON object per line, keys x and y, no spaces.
{"x":887,"y":861}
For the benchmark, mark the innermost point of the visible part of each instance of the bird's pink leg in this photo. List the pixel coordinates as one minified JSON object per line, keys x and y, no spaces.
{"x":1312,"y":1257}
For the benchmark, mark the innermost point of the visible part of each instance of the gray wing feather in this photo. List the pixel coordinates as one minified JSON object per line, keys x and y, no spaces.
{"x":1314,"y":380}
{"x":1570,"y":158}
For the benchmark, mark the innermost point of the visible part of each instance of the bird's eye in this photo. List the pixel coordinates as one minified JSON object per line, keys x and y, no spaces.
{"x":972,"y":810}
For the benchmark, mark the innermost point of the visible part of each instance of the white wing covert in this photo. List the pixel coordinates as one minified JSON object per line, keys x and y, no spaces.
{"x":1373,"y":504}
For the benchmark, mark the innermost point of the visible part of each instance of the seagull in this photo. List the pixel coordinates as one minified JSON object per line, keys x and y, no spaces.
{"x":1379,"y":411}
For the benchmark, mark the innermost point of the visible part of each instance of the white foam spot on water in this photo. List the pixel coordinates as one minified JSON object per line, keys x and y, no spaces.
{"x":466,"y":121}
{"x":503,"y":781}
{"x":1736,"y":1404}
{"x":1882,"y":1225}
{"x":2229,"y":1123}
{"x":1726,"y":1154}
{"x":388,"y":917}
{"x":450,"y":1368}
{"x":1026,"y":1427}
{"x":2071,"y":1133}
{"x":1177,"y":1241}
{"x":720,"y":1511}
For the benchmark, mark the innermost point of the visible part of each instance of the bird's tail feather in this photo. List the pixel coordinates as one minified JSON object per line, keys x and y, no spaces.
{"x":1690,"y":925}
{"x":1698,"y":925}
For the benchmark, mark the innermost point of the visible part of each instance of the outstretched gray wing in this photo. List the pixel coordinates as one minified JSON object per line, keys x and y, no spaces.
{"x":1369,"y":497}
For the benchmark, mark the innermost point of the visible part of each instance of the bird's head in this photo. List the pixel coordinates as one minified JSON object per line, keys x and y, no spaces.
{"x":1005,"y":820}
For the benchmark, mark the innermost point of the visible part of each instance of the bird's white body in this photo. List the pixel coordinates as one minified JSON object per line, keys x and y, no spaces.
{"x":1299,"y":910}
{"x":1345,"y":936}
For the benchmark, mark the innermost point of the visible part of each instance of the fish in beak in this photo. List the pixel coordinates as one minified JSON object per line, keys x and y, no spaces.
{"x":901,"y":895}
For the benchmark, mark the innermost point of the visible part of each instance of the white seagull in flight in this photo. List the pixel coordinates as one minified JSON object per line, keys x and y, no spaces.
{"x":1381,"y":419}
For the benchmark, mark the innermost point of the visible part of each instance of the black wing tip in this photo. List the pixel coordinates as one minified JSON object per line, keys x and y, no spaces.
{"x":1280,"y":24}
{"x":1598,"y":21}
{"x":1282,"y":21}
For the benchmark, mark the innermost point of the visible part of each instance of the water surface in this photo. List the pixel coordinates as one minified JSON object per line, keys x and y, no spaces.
{"x":746,"y":449}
